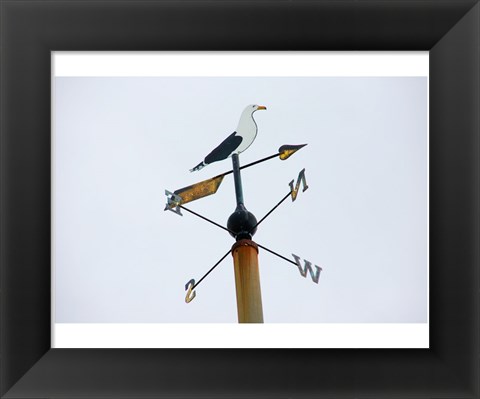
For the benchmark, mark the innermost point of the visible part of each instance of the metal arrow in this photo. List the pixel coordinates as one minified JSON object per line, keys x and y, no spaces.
{"x":210,"y":186}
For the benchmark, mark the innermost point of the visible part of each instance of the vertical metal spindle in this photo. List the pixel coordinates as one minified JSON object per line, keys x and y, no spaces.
{"x":238,"y":180}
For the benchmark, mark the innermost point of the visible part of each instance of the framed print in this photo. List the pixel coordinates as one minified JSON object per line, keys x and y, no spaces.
{"x":130,"y":136}
{"x":44,"y":172}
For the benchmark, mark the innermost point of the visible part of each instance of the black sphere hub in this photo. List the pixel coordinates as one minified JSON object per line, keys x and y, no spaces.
{"x":241,"y":222}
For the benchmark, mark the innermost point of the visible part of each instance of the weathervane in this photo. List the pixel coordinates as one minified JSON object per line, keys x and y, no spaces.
{"x":241,"y":224}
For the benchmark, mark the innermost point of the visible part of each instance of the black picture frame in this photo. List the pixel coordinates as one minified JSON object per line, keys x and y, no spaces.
{"x":30,"y":30}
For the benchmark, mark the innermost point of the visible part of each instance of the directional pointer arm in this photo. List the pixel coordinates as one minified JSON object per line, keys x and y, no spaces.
{"x":293,"y":193}
{"x":191,"y":285}
{"x":307,"y":267}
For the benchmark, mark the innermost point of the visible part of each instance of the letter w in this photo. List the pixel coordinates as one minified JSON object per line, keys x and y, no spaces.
{"x":308,"y":267}
{"x":300,"y":178}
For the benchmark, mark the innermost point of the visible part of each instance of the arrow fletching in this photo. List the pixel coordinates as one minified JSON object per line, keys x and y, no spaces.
{"x":286,"y":151}
{"x":194,"y":192}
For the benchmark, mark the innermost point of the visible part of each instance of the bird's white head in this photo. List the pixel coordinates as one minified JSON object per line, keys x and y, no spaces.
{"x":246,"y":118}
{"x":247,"y":114}
{"x":254,"y":107}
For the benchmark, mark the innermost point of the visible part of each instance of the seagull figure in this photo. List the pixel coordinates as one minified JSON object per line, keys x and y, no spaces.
{"x":238,"y":141}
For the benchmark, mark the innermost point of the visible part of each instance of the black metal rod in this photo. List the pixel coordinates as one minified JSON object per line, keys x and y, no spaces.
{"x":207,"y":273}
{"x":250,"y":164}
{"x":260,"y":160}
{"x":268,"y":214}
{"x":280,"y":256}
{"x":238,"y":180}
{"x":204,"y":218}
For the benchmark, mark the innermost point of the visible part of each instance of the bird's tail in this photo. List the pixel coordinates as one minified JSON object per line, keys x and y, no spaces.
{"x":199,"y":166}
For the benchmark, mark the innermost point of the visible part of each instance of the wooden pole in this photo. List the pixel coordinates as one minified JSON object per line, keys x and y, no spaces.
{"x":247,"y":282}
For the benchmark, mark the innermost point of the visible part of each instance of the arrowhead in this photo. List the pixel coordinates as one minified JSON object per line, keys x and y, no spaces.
{"x":286,"y":151}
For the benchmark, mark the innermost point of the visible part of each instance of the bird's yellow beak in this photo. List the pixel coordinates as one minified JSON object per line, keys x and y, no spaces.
{"x":261,"y":107}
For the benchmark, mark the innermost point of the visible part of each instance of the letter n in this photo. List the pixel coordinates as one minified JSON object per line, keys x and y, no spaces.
{"x":308,"y":267}
{"x":300,"y":179}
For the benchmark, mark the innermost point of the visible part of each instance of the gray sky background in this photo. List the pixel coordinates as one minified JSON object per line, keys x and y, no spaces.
{"x":120,"y":142}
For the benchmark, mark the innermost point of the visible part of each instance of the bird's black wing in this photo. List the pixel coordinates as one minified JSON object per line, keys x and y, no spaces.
{"x":224,"y":150}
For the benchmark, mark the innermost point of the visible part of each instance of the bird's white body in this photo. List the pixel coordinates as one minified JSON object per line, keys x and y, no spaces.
{"x":246,"y":129}
{"x":238,"y":141}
